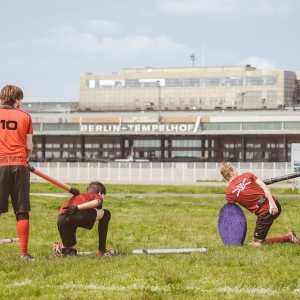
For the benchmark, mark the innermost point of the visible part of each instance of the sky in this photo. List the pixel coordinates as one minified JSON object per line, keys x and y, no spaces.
{"x":46,"y":45}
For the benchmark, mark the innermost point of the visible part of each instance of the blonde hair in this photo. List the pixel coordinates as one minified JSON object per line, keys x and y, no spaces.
{"x":226,"y":169}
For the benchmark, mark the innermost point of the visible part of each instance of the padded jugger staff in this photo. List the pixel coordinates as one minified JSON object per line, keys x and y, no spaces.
{"x":281,"y":178}
{"x":6,"y":241}
{"x":62,"y":185}
{"x":154,"y":251}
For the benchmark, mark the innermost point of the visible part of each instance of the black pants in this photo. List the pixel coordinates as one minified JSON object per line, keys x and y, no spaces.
{"x":264,"y":223}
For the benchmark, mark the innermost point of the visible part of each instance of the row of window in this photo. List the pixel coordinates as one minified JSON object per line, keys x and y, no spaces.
{"x":247,"y":98}
{"x":182,"y":82}
{"x":52,"y":155}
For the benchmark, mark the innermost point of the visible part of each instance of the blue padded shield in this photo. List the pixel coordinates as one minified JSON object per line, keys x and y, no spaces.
{"x":232,"y":225}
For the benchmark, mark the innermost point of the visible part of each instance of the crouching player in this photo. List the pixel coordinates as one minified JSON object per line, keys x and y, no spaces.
{"x":83,"y":211}
{"x":253,"y":194}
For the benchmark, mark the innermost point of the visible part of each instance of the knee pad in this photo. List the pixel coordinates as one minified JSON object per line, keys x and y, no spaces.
{"x":106,"y":217}
{"x":22,"y":216}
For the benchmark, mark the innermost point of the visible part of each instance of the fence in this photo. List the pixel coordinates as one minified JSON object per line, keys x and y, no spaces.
{"x":146,"y":172}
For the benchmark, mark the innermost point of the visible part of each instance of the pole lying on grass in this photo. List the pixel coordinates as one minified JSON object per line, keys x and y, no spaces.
{"x":7,"y":241}
{"x":60,"y":184}
{"x":155,"y":251}
{"x":281,"y":178}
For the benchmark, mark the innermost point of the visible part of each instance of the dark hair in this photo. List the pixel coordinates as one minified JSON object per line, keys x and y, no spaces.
{"x":11,"y":93}
{"x":96,"y":187}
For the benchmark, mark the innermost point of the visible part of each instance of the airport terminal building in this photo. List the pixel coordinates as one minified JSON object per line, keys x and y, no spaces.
{"x":206,"y":88}
{"x":207,"y":114}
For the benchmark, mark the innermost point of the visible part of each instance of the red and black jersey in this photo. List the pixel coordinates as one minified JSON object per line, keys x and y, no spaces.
{"x":244,"y":190}
{"x":15,"y":124}
{"x":80,"y":199}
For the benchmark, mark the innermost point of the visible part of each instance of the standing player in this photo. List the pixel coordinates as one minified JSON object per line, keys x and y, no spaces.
{"x":15,"y":149}
{"x":83,"y":211}
{"x":252,"y":193}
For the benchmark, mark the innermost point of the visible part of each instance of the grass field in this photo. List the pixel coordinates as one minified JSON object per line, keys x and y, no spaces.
{"x":266,"y":272}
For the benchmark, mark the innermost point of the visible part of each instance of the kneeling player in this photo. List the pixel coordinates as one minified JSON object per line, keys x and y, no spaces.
{"x":253,"y":194}
{"x":83,"y":211}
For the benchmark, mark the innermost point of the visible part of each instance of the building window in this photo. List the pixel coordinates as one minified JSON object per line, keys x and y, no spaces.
{"x":162,"y":101}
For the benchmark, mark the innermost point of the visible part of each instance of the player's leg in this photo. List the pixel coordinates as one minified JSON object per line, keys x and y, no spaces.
{"x":67,"y":230}
{"x":263,"y":225}
{"x":68,"y":224}
{"x":21,"y":203}
{"x":103,"y":216}
{"x":5,"y":184}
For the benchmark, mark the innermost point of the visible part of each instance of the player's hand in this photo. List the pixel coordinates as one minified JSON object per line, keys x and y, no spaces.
{"x":72,"y":209}
{"x":273,"y":208}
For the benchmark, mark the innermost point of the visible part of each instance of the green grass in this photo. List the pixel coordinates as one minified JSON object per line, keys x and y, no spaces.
{"x":266,"y":272}
{"x":37,"y":187}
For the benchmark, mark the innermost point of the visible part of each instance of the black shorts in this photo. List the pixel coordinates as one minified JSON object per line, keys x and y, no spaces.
{"x":15,"y":182}
{"x":68,"y":224}
{"x":264,"y":223}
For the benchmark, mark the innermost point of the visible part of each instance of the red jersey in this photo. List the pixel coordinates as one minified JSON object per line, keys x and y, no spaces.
{"x":80,"y":199}
{"x":15,"y":124}
{"x":246,"y":192}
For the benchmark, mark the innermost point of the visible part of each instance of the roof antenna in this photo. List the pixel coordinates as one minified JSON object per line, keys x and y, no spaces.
{"x":193,"y":58}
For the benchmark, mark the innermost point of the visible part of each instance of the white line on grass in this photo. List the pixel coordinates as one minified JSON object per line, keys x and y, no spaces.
{"x":137,"y":287}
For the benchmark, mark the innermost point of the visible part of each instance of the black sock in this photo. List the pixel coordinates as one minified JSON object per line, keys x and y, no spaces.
{"x":102,"y":230}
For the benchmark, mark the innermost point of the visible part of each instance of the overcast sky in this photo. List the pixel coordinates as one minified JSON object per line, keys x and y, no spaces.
{"x":46,"y":45}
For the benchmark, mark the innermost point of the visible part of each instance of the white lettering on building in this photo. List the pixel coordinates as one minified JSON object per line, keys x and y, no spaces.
{"x":138,"y":128}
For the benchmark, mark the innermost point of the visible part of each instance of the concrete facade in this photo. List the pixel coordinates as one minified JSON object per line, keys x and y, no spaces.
{"x":206,"y":88}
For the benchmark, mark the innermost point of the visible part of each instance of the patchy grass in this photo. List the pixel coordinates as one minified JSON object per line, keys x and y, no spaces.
{"x":267,"y":272}
{"x":37,"y":187}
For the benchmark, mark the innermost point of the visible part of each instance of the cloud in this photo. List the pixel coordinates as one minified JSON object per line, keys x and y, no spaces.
{"x":260,"y":63}
{"x":238,"y":8}
{"x":67,"y":38}
{"x":101,"y":26}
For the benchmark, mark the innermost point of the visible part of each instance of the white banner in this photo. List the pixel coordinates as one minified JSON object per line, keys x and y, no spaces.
{"x":295,"y":158}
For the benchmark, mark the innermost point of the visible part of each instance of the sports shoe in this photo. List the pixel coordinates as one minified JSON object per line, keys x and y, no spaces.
{"x":255,"y":244}
{"x":26,"y":257}
{"x":106,"y":253}
{"x":293,"y":238}
{"x":57,"y":250}
{"x":68,"y":252}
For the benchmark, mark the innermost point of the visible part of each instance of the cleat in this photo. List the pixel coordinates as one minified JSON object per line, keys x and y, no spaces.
{"x":255,"y":244}
{"x":26,"y":257}
{"x":106,"y":253}
{"x":68,"y":252}
{"x":293,"y":238}
{"x":57,"y":250}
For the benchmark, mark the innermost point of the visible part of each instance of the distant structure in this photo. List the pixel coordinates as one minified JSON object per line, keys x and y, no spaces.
{"x":194,"y":88}
{"x":205,"y":114}
{"x":193,"y":58}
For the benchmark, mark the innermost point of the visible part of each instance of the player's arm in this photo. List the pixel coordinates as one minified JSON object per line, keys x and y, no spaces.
{"x":29,"y":145}
{"x":273,"y":207}
{"x":97,"y":203}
